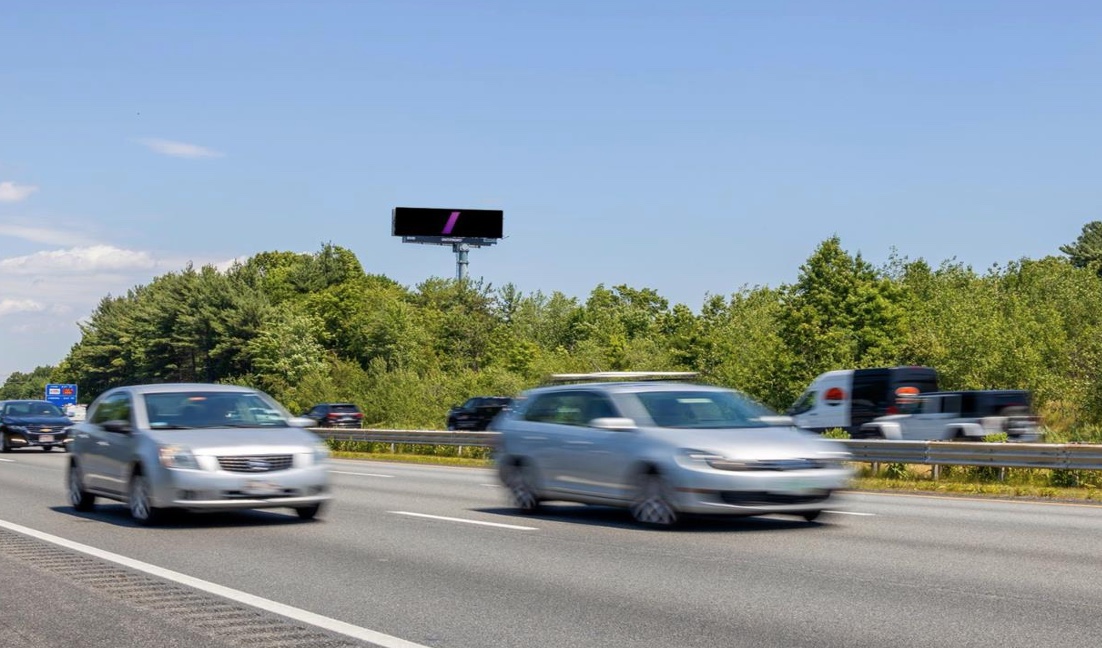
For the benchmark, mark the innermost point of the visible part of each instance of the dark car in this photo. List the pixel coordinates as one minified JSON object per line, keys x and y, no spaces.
{"x":341,"y":415}
{"x":33,"y":423}
{"x":476,"y":413}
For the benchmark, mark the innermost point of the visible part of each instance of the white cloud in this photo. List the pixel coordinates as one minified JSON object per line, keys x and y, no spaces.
{"x":92,"y":259}
{"x":9,"y":306}
{"x":11,"y":192}
{"x":179,"y":149}
{"x":44,"y":235}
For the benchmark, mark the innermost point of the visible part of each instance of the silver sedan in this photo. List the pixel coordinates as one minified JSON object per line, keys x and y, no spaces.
{"x":195,"y":447}
{"x":663,"y":449}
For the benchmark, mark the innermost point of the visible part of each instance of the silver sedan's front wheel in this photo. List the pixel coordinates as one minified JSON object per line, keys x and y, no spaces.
{"x":522,"y":490}
{"x":651,"y":505}
{"x":140,"y":502}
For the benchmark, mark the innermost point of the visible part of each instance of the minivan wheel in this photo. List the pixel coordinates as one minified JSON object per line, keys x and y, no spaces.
{"x":651,"y":505}
{"x":522,"y":490}
{"x":141,"y":505}
{"x":308,"y":512}
{"x":811,"y":516}
{"x":79,"y":498}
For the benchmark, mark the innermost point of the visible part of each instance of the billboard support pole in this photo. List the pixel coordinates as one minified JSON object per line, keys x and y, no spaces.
{"x":461,"y":262}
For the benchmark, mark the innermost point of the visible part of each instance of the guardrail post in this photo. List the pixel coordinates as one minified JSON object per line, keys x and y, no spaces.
{"x":460,"y":451}
{"x":936,"y":472}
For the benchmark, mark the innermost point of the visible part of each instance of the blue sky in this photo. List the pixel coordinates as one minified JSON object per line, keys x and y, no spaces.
{"x":689,"y":147}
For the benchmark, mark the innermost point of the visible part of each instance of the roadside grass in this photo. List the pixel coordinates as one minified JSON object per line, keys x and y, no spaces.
{"x":1030,"y":483}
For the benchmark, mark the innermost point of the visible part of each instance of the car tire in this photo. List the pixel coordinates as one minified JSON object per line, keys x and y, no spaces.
{"x":5,"y":446}
{"x":811,"y":516}
{"x":138,"y":501}
{"x":308,"y":512}
{"x":80,"y":499}
{"x":651,"y":505}
{"x":520,"y":481}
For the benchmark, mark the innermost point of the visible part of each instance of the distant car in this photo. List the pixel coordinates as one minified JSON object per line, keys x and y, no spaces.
{"x":195,"y":447}
{"x":338,"y":415}
{"x":32,"y":424}
{"x":663,"y":449}
{"x":476,"y":413}
{"x":961,"y":416}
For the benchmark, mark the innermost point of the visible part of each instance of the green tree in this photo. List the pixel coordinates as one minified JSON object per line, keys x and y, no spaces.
{"x":1086,"y":251}
{"x":27,"y":385}
{"x":840,"y":313}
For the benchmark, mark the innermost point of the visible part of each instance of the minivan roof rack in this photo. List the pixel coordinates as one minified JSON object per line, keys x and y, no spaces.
{"x":622,"y":376}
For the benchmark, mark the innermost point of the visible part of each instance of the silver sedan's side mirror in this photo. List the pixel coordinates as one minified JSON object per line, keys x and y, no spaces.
{"x":612,"y":423}
{"x":302,"y":422}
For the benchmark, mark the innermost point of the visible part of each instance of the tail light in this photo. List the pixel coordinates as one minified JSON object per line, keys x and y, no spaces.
{"x":892,"y":409}
{"x":358,"y":415}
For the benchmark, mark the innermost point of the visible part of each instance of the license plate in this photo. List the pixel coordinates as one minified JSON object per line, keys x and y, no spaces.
{"x":262,"y":488}
{"x":794,"y":485}
{"x":46,"y":438}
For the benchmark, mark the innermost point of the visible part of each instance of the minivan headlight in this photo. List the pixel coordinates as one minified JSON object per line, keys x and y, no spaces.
{"x":174,"y":456}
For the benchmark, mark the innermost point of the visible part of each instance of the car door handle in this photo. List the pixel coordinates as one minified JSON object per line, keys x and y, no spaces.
{"x":103,"y":443}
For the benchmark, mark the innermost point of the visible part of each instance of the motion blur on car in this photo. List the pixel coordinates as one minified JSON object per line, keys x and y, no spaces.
{"x":662,"y":449}
{"x":196,"y":447}
{"x":32,"y":424}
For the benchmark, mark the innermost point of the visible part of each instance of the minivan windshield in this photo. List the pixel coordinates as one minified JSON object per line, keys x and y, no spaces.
{"x":190,"y":410}
{"x":704,"y":409}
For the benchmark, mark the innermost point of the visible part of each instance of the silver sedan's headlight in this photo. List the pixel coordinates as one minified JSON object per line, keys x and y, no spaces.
{"x":174,"y":456}
{"x":692,"y":457}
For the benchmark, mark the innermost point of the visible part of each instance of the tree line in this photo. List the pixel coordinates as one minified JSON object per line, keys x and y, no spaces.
{"x":311,"y":328}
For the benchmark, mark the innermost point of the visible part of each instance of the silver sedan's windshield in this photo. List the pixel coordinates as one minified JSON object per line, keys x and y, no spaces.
{"x":190,"y":410}
{"x":703,"y":409}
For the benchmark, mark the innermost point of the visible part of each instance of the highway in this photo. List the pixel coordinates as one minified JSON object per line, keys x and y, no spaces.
{"x":432,"y":556}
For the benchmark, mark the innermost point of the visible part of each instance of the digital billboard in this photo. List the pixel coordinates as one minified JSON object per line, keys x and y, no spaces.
{"x":448,"y":223}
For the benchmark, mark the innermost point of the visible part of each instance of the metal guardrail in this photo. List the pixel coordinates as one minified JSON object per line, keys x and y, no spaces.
{"x":1059,"y":456}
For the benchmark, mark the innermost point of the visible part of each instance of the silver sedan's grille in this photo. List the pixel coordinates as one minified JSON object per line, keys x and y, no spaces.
{"x":256,"y":463}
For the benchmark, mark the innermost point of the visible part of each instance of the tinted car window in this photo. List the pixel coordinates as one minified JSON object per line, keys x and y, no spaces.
{"x":32,"y":408}
{"x":113,"y":408}
{"x":567,"y":408}
{"x":345,"y":408}
{"x":211,"y":409}
{"x":705,"y":409}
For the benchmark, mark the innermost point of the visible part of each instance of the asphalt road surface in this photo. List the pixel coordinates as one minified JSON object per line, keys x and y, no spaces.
{"x":432,"y":556}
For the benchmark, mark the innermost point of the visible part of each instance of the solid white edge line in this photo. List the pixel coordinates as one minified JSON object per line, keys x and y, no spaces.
{"x":8,"y":460}
{"x":451,"y":519}
{"x":851,"y":513}
{"x":344,"y":472}
{"x":268,"y":605}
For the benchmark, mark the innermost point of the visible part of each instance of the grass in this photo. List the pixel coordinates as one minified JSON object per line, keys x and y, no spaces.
{"x":401,"y":457}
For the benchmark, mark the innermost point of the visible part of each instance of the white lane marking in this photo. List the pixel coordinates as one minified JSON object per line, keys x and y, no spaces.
{"x":344,"y":472}
{"x":492,"y":485}
{"x":451,"y":519}
{"x":851,"y":513}
{"x":8,"y":460}
{"x":268,"y":605}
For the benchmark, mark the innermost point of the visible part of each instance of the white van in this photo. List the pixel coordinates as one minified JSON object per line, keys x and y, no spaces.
{"x":849,"y":398}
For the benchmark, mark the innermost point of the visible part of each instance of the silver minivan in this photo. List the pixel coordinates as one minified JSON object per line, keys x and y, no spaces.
{"x":663,"y":449}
